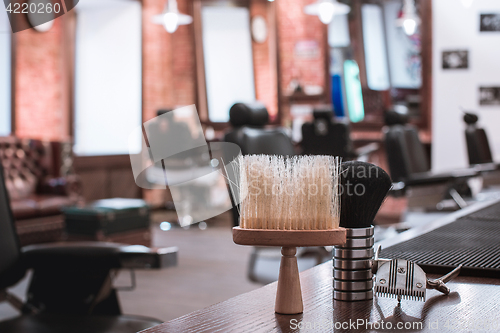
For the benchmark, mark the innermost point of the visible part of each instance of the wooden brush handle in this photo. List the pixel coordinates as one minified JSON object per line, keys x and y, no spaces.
{"x":288,"y":238}
{"x":289,"y":295}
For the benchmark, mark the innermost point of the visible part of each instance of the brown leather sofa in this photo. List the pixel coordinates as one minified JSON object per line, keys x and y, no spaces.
{"x":39,"y":181}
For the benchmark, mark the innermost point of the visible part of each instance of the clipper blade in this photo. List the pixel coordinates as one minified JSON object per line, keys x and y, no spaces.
{"x":401,"y":279}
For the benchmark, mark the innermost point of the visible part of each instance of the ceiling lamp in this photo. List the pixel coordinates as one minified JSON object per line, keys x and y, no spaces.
{"x":327,"y":9}
{"x":408,"y":18}
{"x":171,"y":18}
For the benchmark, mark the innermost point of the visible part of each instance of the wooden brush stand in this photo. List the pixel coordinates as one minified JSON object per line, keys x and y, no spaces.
{"x":289,"y":295}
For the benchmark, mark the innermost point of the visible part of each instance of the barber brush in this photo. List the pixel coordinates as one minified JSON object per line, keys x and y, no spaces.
{"x":363,"y":188}
{"x":289,"y":202}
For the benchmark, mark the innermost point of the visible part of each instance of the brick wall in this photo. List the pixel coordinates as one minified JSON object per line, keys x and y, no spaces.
{"x":169,"y":72}
{"x":40,"y":95}
{"x":264,"y":60}
{"x":295,"y":26}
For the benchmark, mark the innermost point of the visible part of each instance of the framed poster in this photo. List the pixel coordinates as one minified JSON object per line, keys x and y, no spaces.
{"x":489,"y":22}
{"x":489,"y":96}
{"x":306,"y":49}
{"x":457,"y":59}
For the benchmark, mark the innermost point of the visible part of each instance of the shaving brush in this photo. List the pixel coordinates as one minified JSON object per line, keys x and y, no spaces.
{"x":363,"y":188}
{"x":289,"y":202}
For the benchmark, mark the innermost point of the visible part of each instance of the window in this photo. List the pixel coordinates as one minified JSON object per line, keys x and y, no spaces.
{"x":392,"y":58}
{"x":377,"y":72}
{"x":228,"y":61}
{"x":5,"y":74}
{"x":404,"y":51}
{"x":108,"y":78}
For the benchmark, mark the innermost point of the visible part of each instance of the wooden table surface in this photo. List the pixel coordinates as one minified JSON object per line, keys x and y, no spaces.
{"x":472,"y":306}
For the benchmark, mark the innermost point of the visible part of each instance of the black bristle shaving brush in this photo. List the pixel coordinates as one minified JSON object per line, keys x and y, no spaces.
{"x":363,"y":188}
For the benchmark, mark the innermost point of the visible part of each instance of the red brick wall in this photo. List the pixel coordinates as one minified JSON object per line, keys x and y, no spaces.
{"x":169,"y":76}
{"x":41,"y":111}
{"x":264,"y":60}
{"x":155,"y":58}
{"x":294,"y":26}
{"x":183,"y":81}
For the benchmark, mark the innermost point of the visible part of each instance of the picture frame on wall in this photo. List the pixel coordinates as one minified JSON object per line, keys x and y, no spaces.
{"x":455,"y":59}
{"x":489,"y":96}
{"x":489,"y":22}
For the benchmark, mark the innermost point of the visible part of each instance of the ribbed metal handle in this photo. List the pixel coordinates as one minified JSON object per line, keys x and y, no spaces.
{"x":352,"y":263}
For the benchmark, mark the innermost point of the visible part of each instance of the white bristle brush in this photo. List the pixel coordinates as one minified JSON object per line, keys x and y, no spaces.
{"x":289,"y":202}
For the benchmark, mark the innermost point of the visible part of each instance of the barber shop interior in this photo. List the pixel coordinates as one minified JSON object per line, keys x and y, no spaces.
{"x":249,"y":166}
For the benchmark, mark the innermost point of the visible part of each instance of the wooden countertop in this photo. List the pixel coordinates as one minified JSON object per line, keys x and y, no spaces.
{"x":473,"y":305}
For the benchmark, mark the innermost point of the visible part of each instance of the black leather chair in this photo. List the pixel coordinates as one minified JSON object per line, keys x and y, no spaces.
{"x":410,"y":168}
{"x":325,"y":136}
{"x":250,"y":133}
{"x":478,"y":146}
{"x":71,"y":286}
{"x":479,"y":152}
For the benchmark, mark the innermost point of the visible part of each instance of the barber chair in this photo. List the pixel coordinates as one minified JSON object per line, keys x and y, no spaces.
{"x":478,"y":146}
{"x":410,"y":169}
{"x":326,"y":136}
{"x":250,"y":133}
{"x":71,"y":286}
{"x":479,"y":152}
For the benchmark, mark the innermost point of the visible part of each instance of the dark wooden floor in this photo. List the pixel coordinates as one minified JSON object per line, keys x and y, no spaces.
{"x":211,"y":269}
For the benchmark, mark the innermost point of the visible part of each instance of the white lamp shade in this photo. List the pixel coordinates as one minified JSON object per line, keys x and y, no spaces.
{"x":409,"y":21}
{"x":181,"y":20}
{"x":171,"y":19}
{"x":327,"y":9}
{"x":410,"y":26}
{"x":171,"y":22}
